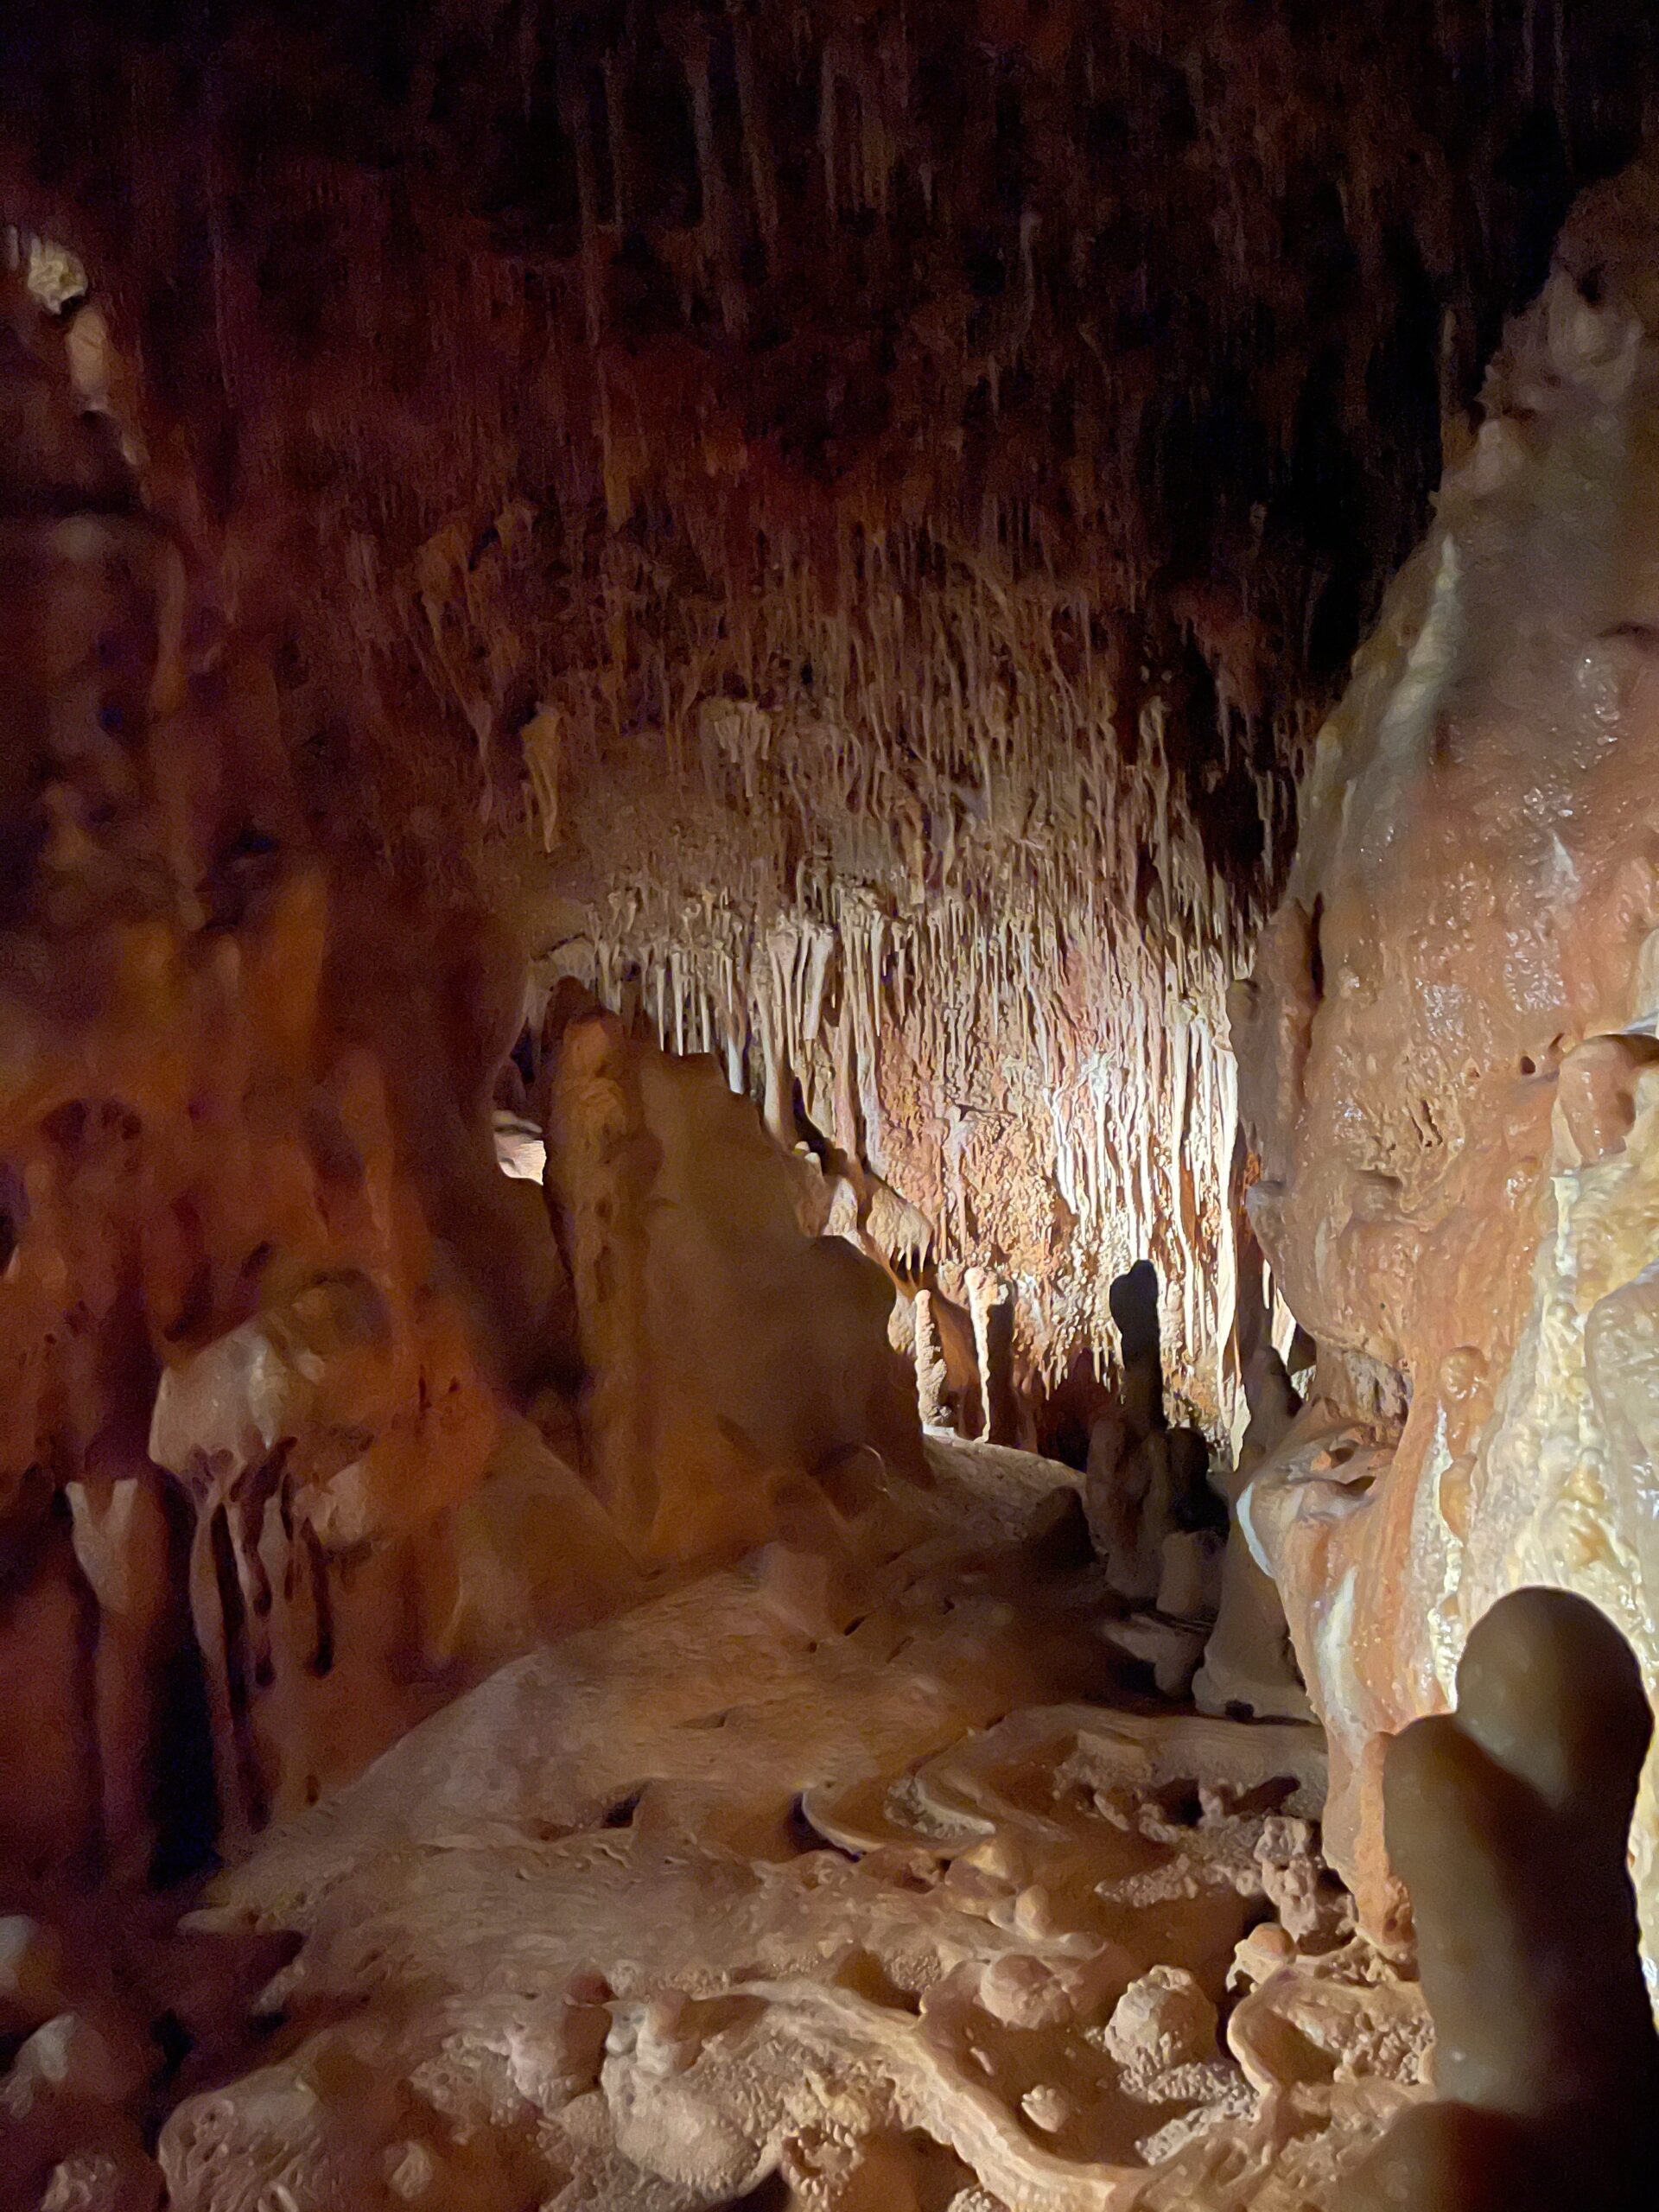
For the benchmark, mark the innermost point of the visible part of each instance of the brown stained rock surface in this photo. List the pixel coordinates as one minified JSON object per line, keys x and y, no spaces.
{"x":1446,"y":1054}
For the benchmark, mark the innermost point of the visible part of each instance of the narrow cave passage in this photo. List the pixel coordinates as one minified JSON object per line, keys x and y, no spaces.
{"x":827,"y":1314}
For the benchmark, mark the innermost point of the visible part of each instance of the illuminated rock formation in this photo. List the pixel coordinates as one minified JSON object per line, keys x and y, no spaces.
{"x":718,"y":607}
{"x":1247,"y":1662}
{"x":1510,"y":1820}
{"x":1447,"y":1055}
{"x":271,"y":1319}
{"x":793,"y":1907}
{"x":729,"y":1355}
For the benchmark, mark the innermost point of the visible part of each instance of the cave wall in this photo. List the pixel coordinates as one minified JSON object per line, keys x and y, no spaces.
{"x":244,"y":1381}
{"x":302,"y":1423}
{"x":1448,"y":1053}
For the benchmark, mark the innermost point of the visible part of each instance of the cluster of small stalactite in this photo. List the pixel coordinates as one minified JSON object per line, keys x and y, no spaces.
{"x":1058,"y":1145}
{"x":535,"y":341}
{"x":928,"y":884}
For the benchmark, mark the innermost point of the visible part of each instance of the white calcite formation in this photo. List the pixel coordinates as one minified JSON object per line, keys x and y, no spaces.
{"x":903,"y":984}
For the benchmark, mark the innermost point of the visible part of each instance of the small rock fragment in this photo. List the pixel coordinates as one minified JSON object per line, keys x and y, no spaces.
{"x":1162,"y":2020}
{"x":1046,"y":2107}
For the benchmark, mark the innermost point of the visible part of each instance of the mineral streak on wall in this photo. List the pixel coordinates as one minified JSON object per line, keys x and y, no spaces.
{"x":837,"y":479}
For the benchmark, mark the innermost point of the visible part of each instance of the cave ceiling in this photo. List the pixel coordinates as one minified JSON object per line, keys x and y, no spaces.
{"x":844,"y":518}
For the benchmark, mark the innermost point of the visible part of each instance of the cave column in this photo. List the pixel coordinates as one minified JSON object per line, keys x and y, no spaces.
{"x":991,"y":1304}
{"x":930,"y":1363}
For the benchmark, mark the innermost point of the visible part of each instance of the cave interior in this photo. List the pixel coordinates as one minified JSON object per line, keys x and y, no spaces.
{"x":829,"y":1017}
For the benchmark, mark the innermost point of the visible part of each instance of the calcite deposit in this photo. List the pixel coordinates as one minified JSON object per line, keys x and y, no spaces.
{"x":796,"y":1909}
{"x":728,"y":1352}
{"x":1446,"y":1055}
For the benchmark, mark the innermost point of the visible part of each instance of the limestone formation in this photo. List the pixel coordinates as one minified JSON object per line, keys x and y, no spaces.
{"x":816,"y":1932}
{"x":728,"y":1354}
{"x":1247,"y":1661}
{"x":1547,"y":2059}
{"x":1446,"y":1056}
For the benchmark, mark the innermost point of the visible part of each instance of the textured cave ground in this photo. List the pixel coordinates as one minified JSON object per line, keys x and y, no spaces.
{"x":811,"y":1901}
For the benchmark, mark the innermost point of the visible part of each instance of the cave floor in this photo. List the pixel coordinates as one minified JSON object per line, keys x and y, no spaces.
{"x":819,"y":1880}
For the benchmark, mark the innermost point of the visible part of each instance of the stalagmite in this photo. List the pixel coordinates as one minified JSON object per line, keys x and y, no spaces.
{"x":729,"y":1354}
{"x":601,"y":1162}
{"x":989,"y":1303}
{"x":1548,"y":2062}
{"x":1247,"y":1661}
{"x":930,"y":1363}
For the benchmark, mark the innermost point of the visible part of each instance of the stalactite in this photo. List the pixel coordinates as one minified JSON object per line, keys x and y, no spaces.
{"x":614,"y":68}
{"x":829,"y":93}
{"x":577,"y":124}
{"x":717,"y":218}
{"x":923,"y":666}
{"x":121,"y":1548}
{"x":757,"y":145}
